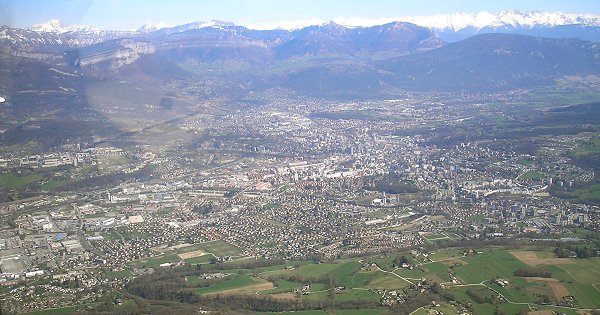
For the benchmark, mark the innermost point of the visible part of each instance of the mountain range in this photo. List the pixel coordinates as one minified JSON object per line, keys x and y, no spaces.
{"x":485,"y":51}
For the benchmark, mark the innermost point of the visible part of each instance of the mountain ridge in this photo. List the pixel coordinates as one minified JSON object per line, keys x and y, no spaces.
{"x":455,"y":21}
{"x":324,"y":60}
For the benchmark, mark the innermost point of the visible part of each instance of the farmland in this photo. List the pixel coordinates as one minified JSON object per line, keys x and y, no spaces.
{"x":192,"y":254}
{"x":468,"y":275}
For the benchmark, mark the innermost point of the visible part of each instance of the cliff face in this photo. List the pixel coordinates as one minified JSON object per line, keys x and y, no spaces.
{"x":128,"y":53}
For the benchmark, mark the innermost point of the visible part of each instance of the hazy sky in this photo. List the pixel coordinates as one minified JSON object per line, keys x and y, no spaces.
{"x":131,"y":14}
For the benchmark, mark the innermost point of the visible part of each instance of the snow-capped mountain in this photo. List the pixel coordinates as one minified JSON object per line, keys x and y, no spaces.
{"x":459,"y":21}
{"x":53,"y":36}
{"x":450,"y":27}
{"x":442,"y":22}
{"x":152,"y":27}
{"x":192,"y":26}
{"x":56,"y":26}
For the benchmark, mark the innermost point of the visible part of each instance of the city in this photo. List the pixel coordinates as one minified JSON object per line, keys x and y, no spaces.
{"x":290,"y":185}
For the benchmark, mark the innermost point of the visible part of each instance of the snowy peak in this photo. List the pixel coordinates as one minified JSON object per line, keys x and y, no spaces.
{"x":333,"y":28}
{"x":454,"y":22}
{"x":189,"y":26}
{"x":52,"y":26}
{"x":459,"y":21}
{"x":150,"y":27}
{"x":56,"y":26}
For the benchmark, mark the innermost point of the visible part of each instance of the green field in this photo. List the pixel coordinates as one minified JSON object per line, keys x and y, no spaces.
{"x":591,"y":193}
{"x":127,"y":234}
{"x":157,"y":261}
{"x":477,"y":269}
{"x":235,"y":282}
{"x":344,"y":273}
{"x":387,"y":281}
{"x":187,"y":249}
{"x":331,"y":312}
{"x":356,"y":312}
{"x":532,"y":175}
{"x":436,"y":237}
{"x":444,"y":308}
{"x":219,"y":248}
{"x":11,"y":181}
{"x":591,"y":147}
{"x":489,"y":265}
{"x":111,"y":164}
{"x":54,"y":183}
{"x":315,"y":312}
{"x":526,"y":161}
{"x":62,"y":310}
{"x":476,"y":217}
{"x":270,"y":206}
{"x":346,"y":295}
{"x":446,"y":254}
{"x":308,"y":271}
{"x":282,"y":286}
{"x":117,"y":274}
{"x":199,"y":260}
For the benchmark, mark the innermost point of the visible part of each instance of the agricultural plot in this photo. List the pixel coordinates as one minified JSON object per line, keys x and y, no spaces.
{"x":387,"y":281}
{"x":591,"y":193}
{"x":112,"y":164}
{"x":234,"y":284}
{"x":346,"y":273}
{"x":10,"y":181}
{"x":532,"y":175}
{"x":219,"y":248}
{"x":199,"y":259}
{"x":385,"y":263}
{"x":453,"y":236}
{"x":349,"y":275}
{"x":343,"y":296}
{"x":573,"y":282}
{"x":283,"y":286}
{"x":55,"y":311}
{"x":488,"y":265}
{"x":483,"y":300}
{"x":414,"y":274}
{"x":313,"y":312}
{"x":569,"y":282}
{"x":156,"y":261}
{"x":437,"y":272}
{"x":193,"y":254}
{"x":476,"y":217}
{"x":534,"y":259}
{"x":579,"y":278}
{"x":307,"y":271}
{"x":436,"y":237}
{"x":446,"y":254}
{"x":444,"y":308}
{"x":117,"y":274}
{"x":356,"y":312}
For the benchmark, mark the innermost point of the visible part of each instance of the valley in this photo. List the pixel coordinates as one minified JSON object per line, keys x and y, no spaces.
{"x":383,"y":169}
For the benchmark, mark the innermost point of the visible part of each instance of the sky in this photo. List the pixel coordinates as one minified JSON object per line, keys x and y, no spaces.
{"x":132,"y":14}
